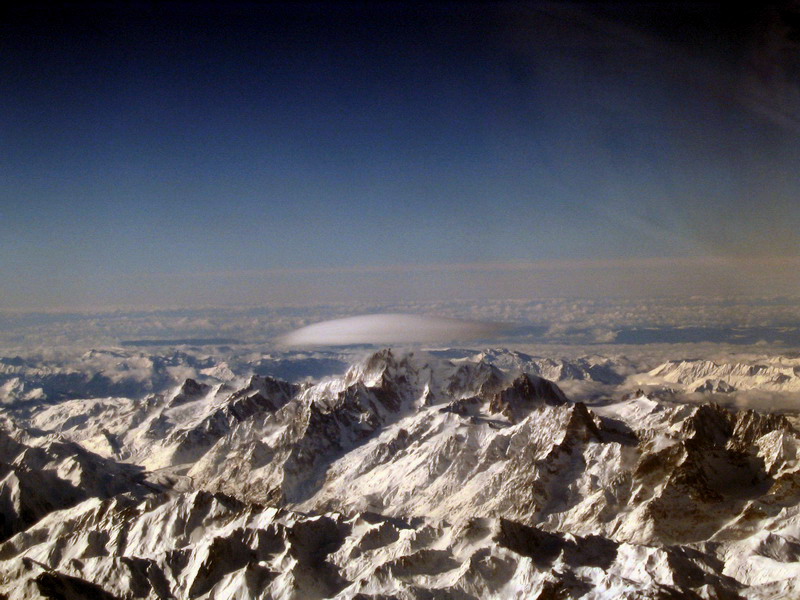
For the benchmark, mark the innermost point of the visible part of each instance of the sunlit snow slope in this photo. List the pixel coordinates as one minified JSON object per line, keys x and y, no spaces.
{"x":446,"y":474}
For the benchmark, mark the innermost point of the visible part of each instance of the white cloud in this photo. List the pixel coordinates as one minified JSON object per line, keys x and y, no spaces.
{"x":388,"y":329}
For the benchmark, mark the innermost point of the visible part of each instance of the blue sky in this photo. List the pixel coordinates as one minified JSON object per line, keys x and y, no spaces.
{"x":198,"y":154}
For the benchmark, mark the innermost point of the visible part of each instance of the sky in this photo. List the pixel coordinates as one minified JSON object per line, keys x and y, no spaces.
{"x":195,"y":154}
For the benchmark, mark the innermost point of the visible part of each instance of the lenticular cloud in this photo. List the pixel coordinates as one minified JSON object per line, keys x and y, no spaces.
{"x":388,"y":329}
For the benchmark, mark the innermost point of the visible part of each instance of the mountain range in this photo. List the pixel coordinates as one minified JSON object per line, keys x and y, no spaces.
{"x":411,"y":474}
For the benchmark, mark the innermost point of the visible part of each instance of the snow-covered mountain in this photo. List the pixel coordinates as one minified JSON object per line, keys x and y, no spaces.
{"x":128,"y":372}
{"x":589,"y":368}
{"x":40,"y":473}
{"x":705,"y":375}
{"x":452,"y":474}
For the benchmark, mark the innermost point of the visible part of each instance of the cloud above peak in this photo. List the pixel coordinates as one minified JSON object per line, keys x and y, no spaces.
{"x":391,"y":328}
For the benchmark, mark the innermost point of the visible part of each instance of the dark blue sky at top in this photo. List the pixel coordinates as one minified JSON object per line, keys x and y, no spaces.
{"x":198,"y":138}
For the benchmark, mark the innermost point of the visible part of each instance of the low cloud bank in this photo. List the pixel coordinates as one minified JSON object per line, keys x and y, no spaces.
{"x":389,"y":329}
{"x":755,"y":399}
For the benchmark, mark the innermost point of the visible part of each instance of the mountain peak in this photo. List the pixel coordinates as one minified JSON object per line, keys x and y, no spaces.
{"x":524,"y":394}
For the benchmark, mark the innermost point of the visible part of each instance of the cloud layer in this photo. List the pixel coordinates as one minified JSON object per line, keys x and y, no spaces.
{"x":388,"y":329}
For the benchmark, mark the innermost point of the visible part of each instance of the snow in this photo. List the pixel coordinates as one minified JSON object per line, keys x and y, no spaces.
{"x":411,"y":471}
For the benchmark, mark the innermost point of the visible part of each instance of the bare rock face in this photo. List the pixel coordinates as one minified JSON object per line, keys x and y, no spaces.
{"x":412,"y":475}
{"x":189,"y":390}
{"x":525,"y":393}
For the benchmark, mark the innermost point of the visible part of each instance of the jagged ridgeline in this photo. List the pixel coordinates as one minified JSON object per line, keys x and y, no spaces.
{"x":412,"y":475}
